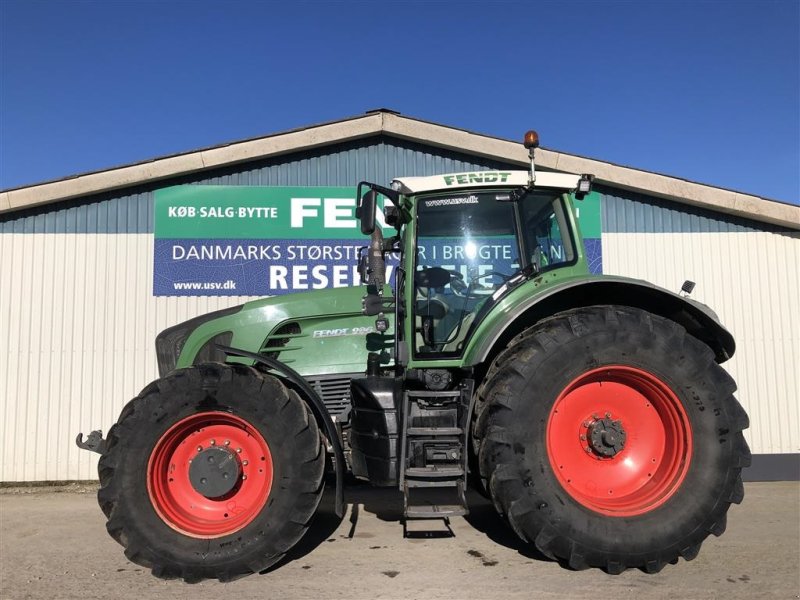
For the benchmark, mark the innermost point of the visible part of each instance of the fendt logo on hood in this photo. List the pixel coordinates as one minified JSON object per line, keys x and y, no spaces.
{"x":482,"y":177}
{"x":322,"y":333}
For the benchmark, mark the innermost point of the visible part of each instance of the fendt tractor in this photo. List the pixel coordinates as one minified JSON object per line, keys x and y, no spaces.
{"x":591,"y":409}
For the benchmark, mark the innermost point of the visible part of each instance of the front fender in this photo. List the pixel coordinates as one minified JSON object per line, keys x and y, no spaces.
{"x":529,"y":303}
{"x":318,"y":410}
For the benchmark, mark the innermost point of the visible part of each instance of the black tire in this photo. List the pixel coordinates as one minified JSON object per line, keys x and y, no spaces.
{"x":478,"y":481}
{"x":277,"y":523}
{"x":533,"y":376}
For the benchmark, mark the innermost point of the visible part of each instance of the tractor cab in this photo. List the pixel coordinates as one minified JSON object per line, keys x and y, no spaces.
{"x":473,"y":245}
{"x":463,"y":241}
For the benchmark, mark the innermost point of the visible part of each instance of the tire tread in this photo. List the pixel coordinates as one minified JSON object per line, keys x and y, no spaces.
{"x":499,"y":398}
{"x":294,"y":416}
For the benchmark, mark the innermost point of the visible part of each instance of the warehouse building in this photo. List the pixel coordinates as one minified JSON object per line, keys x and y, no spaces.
{"x":86,"y":285}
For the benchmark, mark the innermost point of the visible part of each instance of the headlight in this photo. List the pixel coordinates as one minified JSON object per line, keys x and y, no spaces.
{"x":169,"y":343}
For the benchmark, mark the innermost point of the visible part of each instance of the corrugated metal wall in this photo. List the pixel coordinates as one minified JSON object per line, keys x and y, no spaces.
{"x":629,"y":212}
{"x":77,"y":310}
{"x":746,"y":273}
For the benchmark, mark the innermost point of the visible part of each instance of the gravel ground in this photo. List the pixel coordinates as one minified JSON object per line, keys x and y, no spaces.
{"x":53,"y":544}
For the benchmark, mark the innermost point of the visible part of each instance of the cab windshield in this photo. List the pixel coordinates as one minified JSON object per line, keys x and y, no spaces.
{"x":468,"y":245}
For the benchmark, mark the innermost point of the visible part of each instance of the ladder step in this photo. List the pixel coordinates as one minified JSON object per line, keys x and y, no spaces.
{"x":434,"y":511}
{"x":432,"y":483}
{"x":434,"y":472}
{"x":434,"y":431}
{"x":427,"y":394}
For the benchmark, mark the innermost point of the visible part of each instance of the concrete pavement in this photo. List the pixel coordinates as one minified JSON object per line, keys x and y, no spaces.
{"x":53,"y":544}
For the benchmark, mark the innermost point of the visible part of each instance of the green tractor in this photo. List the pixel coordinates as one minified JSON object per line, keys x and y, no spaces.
{"x":591,"y":409}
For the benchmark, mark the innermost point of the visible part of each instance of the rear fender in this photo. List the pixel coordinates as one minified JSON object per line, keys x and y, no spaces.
{"x":506,"y":321}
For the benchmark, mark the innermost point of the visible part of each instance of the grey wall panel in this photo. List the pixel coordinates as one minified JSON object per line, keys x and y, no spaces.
{"x":630,"y":212}
{"x":130,"y":210}
{"x":105,"y":213}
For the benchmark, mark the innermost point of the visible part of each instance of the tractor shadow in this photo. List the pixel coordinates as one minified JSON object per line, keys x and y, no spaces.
{"x":384,"y":503}
{"x":322,"y":527}
{"x":387,"y":505}
{"x":484,"y":518}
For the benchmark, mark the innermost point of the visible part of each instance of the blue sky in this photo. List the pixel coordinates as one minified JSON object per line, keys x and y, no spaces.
{"x":707,"y":91}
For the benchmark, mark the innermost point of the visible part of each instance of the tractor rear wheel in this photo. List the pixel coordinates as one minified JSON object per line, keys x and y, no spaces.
{"x":212,"y":472}
{"x":612,"y":440}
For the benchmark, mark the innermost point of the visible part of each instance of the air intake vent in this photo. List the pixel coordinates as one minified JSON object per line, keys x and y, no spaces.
{"x":278,"y":340}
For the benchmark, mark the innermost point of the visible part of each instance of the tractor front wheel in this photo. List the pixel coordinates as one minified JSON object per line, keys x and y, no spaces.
{"x":212,"y":472}
{"x":612,"y":439}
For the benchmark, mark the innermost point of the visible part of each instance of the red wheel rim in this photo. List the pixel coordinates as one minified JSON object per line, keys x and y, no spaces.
{"x":656,"y":441}
{"x":172,"y":493}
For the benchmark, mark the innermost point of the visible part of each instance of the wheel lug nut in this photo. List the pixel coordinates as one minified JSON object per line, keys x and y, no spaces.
{"x":227,"y":442}
{"x":244,"y":463}
{"x":588,"y":449}
{"x":608,"y":415}
{"x":213,"y":442}
{"x":238,"y":451}
{"x":244,"y":477}
{"x":586,"y":423}
{"x":199,"y":448}
{"x":583,"y":437}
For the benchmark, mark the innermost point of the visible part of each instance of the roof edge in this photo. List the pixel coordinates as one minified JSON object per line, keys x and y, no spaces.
{"x":190,"y":162}
{"x":628,"y":178}
{"x":392,"y":123}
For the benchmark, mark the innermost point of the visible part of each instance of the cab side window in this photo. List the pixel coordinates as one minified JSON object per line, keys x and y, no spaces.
{"x":544,"y":228}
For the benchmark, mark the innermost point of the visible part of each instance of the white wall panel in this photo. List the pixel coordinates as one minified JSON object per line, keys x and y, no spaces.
{"x":752,"y":281}
{"x":78,"y":323}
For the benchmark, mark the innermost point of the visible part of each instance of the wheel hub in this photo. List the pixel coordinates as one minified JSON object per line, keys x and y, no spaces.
{"x":606,"y":437}
{"x":214,"y":472}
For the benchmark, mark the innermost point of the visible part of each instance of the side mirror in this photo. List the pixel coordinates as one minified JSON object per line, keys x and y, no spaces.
{"x":366,"y":211}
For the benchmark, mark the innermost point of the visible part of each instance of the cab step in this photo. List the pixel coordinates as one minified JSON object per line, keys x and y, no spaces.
{"x":435,"y":511}
{"x":434,"y":472}
{"x":433,"y":446}
{"x":434,"y":431}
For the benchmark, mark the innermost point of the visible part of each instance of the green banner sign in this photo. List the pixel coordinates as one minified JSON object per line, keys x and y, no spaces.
{"x":588,"y":212}
{"x":238,"y":212}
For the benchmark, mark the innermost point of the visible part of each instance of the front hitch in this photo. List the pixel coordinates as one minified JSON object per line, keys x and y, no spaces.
{"x":94,"y":442}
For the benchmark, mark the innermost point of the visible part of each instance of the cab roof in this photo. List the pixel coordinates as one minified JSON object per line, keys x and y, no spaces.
{"x":483,"y":179}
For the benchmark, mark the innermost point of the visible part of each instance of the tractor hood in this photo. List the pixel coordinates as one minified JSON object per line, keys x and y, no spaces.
{"x":316,"y":332}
